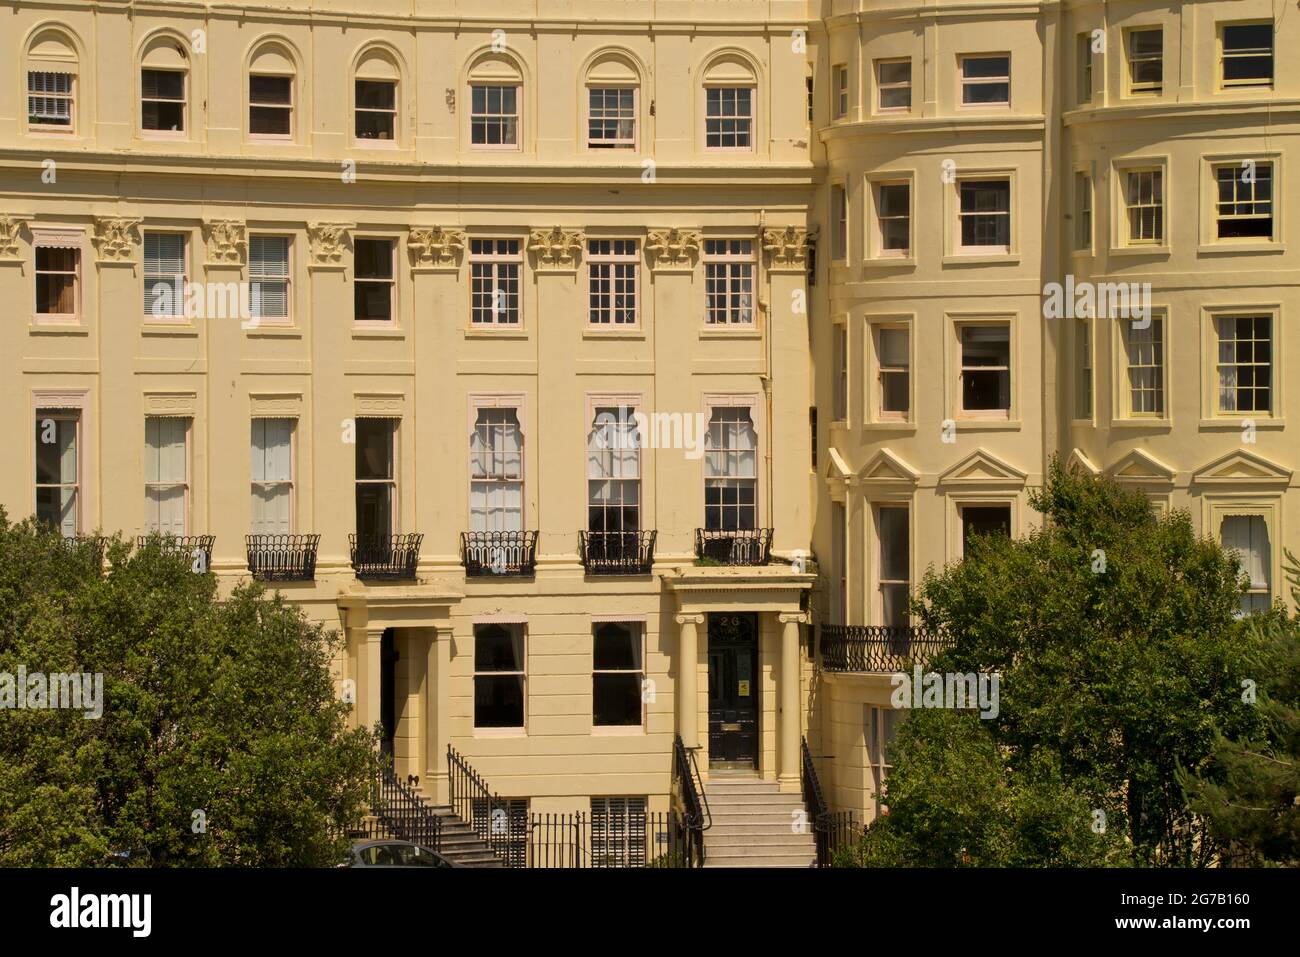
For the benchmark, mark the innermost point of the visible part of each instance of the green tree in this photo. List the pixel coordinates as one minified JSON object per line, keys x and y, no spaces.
{"x":1250,"y":792}
{"x":1114,"y":633}
{"x":226,"y":708}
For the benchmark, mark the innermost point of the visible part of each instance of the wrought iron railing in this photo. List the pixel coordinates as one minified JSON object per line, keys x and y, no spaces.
{"x":617,"y":553}
{"x":744,"y":546}
{"x":831,"y":830}
{"x":491,"y":816}
{"x":877,"y":648}
{"x":498,"y":553}
{"x":695,"y":816}
{"x":400,"y":810}
{"x":192,"y":546}
{"x":282,"y":558}
{"x":631,"y":840}
{"x":385,"y":556}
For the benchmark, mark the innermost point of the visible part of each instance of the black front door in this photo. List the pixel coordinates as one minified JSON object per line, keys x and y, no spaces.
{"x":733,"y":690}
{"x":387,"y":696}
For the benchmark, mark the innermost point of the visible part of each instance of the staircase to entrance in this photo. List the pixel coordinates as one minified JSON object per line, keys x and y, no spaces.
{"x":755,"y":824}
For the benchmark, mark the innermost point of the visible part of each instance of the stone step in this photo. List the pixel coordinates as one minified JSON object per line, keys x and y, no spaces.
{"x":770,"y":839}
{"x":760,"y":860}
{"x":729,"y":800}
{"x":783,"y":817}
{"x":750,"y":831}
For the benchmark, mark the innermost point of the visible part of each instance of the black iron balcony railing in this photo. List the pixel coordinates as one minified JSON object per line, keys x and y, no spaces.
{"x":385,"y":556}
{"x":617,"y":553}
{"x":877,"y":648}
{"x":282,"y":558}
{"x":196,"y":547}
{"x":735,"y":546}
{"x":498,"y":553}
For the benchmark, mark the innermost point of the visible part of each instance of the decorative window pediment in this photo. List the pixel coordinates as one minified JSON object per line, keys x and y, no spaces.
{"x":1242,"y":467}
{"x":984,"y":469}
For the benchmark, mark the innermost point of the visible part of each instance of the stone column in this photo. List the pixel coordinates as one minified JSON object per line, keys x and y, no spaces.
{"x":369,"y":663}
{"x":688,"y":666}
{"x":787,"y":721}
{"x":437,"y":716}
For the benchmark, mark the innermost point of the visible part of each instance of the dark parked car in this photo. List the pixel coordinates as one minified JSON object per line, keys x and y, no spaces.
{"x":395,"y":854}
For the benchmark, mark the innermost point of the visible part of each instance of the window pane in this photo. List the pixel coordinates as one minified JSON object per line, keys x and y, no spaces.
{"x":374,"y":456}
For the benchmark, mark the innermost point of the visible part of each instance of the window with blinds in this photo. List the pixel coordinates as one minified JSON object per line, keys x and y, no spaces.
{"x":49,"y":100}
{"x":166,"y":474}
{"x":162,"y":100}
{"x":268,"y":273}
{"x":272,"y":447}
{"x":57,"y":484}
{"x":164,"y":275}
{"x":506,"y":823}
{"x":618,"y":832}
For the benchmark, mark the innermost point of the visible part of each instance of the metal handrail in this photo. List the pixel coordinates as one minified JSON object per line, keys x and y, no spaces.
{"x":385,"y":556}
{"x":734,"y":546}
{"x":282,"y":557}
{"x":685,"y":772}
{"x":878,"y":648}
{"x":466,"y":789}
{"x":617,"y":553}
{"x":498,"y":553}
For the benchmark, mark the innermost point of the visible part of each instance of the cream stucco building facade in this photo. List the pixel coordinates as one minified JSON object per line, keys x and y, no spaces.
{"x":379,"y":296}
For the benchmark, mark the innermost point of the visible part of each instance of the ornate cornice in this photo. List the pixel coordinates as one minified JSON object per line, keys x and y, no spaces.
{"x":787,"y":247}
{"x":673,"y":248}
{"x":226,"y":241}
{"x":11,"y":227}
{"x":116,"y":238}
{"x":329,"y":241}
{"x":689,"y":619}
{"x":434,"y":247}
{"x":793,"y":617}
{"x":556,"y":248}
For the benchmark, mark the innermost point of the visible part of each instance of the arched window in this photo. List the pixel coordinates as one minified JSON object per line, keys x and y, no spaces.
{"x":496,"y":89}
{"x":730,"y":104}
{"x":164,"y":87}
{"x":375,"y":99}
{"x":52,"y":67}
{"x":612,"y":95}
{"x":271,"y":94}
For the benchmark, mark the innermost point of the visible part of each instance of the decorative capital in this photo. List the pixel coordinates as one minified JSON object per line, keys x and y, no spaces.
{"x":787,"y":247}
{"x":329,"y":241}
{"x":435,"y":246}
{"x":226,"y":241}
{"x":673,"y":248}
{"x":556,"y":248}
{"x":793,"y":617}
{"x":690,"y":619}
{"x":116,"y":238}
{"x":11,"y":227}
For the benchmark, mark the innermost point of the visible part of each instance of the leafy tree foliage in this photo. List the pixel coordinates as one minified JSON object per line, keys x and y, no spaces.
{"x":1121,"y":661}
{"x":226,"y":708}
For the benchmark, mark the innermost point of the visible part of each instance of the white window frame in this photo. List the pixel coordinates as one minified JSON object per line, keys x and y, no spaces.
{"x":494,"y":261}
{"x":287,"y":486}
{"x":840,"y":353}
{"x":1084,"y":393}
{"x":58,"y":415}
{"x":1158,"y":207}
{"x":728,"y":259}
{"x":879,"y":251}
{"x":1224,"y":56}
{"x":180,"y":311}
{"x":1219,"y":319}
{"x":639,"y":637}
{"x":492,"y":480}
{"x":1132,"y":61}
{"x":390,"y":281}
{"x":1084,"y":71}
{"x":162,"y":485}
{"x":1083,"y":212}
{"x":616,"y":142}
{"x":184,"y":101}
{"x":394,"y":114}
{"x":1155,"y":336}
{"x":959,"y":246}
{"x":968,"y":82}
{"x":879,"y":413}
{"x":881,"y":582}
{"x":57,"y":318}
{"x":959,"y":326}
{"x":611,"y":266}
{"x":883,"y":87}
{"x":1244,"y":194}
{"x":287,"y":278}
{"x":738,"y":118}
{"x":839,"y":223}
{"x":503,"y":118}
{"x":290,"y":109}
{"x":70,"y":97}
{"x":840,"y":91}
{"x":713,"y":406}
{"x":394,"y":424}
{"x":521,"y":673}
{"x":620,"y":428}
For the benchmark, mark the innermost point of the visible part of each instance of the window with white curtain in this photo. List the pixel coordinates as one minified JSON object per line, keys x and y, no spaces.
{"x":376,"y":477}
{"x":166,"y":474}
{"x":496,"y":465}
{"x":268,"y":273}
{"x":1145,"y":354}
{"x":58,"y":486}
{"x":613,"y":471}
{"x":731,"y":471}
{"x":164,"y":275}
{"x":272,"y":476}
{"x":893,"y":355}
{"x":1247,"y":535}
{"x":1245,"y":363}
{"x":881,"y":726}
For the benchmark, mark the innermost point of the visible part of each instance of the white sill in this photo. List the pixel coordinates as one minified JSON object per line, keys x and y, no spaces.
{"x":44,"y":327}
{"x":1235,"y":424}
{"x":736,"y":331}
{"x":877,"y":262}
{"x":1162,"y":423}
{"x":624,"y":332}
{"x":1152,"y":250}
{"x":384,"y":330}
{"x":500,"y":733}
{"x":1226,"y":247}
{"x":375,"y":144}
{"x":978,"y":259}
{"x":500,"y":332}
{"x":273,"y":330}
{"x":888,"y":425}
{"x":178,"y":329}
{"x":618,"y":731}
{"x":986,"y":424}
